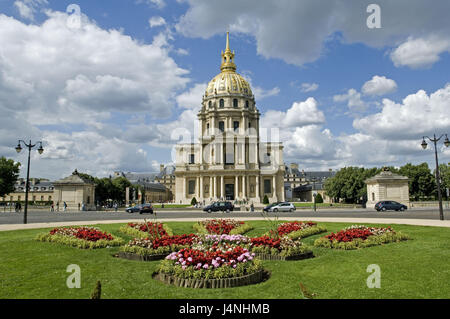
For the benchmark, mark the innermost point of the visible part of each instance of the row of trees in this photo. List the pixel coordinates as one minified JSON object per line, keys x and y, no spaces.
{"x":108,"y":189}
{"x":9,"y":173}
{"x":348,"y":183}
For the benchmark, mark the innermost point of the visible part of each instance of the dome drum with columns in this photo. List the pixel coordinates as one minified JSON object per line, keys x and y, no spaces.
{"x":229,"y":162}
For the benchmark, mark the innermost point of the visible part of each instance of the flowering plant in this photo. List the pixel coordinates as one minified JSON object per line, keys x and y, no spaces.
{"x":224,"y":241}
{"x":158,"y":246}
{"x":296,"y":230}
{"x":193,"y":263}
{"x":358,"y":236}
{"x":81,"y":237}
{"x":220,"y":226}
{"x":146,"y":229}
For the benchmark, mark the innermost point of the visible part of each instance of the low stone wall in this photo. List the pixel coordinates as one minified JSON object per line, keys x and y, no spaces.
{"x":250,"y":279}
{"x":435,"y":204}
{"x":132,"y":256}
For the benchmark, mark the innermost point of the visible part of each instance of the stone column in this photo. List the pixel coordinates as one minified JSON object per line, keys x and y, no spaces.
{"x":257,"y":186}
{"x":244,"y":187}
{"x":236,"y":187}
{"x":222,"y":186}
{"x":215,"y":187}
{"x":210,"y":187}
{"x":184,"y":189}
{"x":201,"y":188}
{"x":274,"y":187}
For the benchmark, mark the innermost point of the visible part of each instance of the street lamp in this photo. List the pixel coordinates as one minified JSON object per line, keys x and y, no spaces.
{"x":18,"y":150}
{"x":438,"y":178}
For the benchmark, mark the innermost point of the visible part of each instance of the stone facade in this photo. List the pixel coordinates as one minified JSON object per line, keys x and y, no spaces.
{"x":229,"y":162}
{"x":387,"y":186}
{"x":74,"y":191}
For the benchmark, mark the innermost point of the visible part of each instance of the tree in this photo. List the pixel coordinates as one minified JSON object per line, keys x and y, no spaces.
{"x":9,"y":173}
{"x":348,"y":183}
{"x":319,"y":198}
{"x":422,"y":183}
{"x":444,"y":171}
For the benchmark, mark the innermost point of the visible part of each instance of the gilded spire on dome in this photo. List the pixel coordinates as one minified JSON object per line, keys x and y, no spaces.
{"x":228,"y":58}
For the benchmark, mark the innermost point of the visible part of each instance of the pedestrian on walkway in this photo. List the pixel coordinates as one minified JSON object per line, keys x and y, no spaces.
{"x":65,"y":206}
{"x":52,"y":208}
{"x":57,"y":206}
{"x":115,"y":206}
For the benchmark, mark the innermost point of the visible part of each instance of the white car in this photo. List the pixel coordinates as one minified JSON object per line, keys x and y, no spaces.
{"x":282,"y":207}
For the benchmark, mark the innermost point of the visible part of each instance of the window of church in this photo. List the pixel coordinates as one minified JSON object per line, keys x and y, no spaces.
{"x":246,"y":104}
{"x":191,"y":187}
{"x":192,"y":159}
{"x":236,"y":125}
{"x":267,"y":188}
{"x":222,"y":103}
{"x":221,"y":126}
{"x":210,"y":104}
{"x":235,"y":103}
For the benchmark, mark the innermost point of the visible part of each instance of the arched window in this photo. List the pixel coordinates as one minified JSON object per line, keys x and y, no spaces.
{"x":246,"y":104}
{"x":235,"y":103}
{"x":222,"y":103}
{"x":210,"y":104}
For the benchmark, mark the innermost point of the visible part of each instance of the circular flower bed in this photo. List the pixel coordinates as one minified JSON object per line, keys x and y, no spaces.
{"x":361,"y":236}
{"x":283,"y":248}
{"x":157,"y":248}
{"x":222,"y":226}
{"x":265,"y":247}
{"x":200,"y":266}
{"x":81,"y":237}
{"x":146,"y":230}
{"x":297,"y":229}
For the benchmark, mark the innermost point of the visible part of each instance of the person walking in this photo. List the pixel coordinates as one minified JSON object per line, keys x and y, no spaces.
{"x":115,"y":206}
{"x":52,"y":208}
{"x":57,"y":206}
{"x":65,"y":206}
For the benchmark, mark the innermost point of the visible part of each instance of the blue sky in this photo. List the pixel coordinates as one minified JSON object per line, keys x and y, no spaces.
{"x":110,"y":94}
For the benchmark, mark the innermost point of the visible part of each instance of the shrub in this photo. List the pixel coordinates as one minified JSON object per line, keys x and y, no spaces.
{"x":319,"y":198}
{"x":265,"y":200}
{"x":193,"y":201}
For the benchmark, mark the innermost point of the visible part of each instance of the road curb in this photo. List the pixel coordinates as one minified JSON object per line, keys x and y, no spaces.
{"x":413,"y":222}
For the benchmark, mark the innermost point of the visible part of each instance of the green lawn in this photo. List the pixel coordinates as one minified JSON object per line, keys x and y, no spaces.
{"x":418,"y":268}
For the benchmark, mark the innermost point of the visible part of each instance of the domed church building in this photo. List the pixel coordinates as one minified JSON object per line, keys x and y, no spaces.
{"x":229,"y":162}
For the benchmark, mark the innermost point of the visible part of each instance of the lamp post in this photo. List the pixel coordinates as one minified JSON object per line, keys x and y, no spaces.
{"x":19,"y":149}
{"x":438,"y":177}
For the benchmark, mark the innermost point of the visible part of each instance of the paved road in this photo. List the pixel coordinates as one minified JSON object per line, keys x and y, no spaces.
{"x":47,"y":217}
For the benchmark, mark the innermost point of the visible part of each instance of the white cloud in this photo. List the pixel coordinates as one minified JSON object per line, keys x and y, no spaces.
{"x":379,"y":85}
{"x":68,"y":87}
{"x":156,"y":21}
{"x":153,"y":3}
{"x":297,"y":31}
{"x":420,"y":52}
{"x":97,"y":71}
{"x":192,"y":99}
{"x":261,"y":93}
{"x":27,"y":8}
{"x":299,"y":114}
{"x":309,"y":87}
{"x":419,"y":114}
{"x":353,"y":99}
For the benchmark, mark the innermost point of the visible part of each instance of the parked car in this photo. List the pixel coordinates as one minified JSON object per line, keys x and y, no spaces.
{"x":280,"y":207}
{"x":219,"y":207}
{"x":389,"y":205}
{"x":268,"y":207}
{"x":133,"y":209}
{"x":146,"y":208}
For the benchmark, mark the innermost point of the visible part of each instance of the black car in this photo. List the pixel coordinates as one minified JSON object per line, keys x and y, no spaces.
{"x":133,"y":209}
{"x":389,"y":205}
{"x":146,"y":208}
{"x":219,"y":207}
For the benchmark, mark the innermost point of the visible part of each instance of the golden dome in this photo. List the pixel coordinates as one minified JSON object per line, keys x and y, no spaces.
{"x":228,"y":81}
